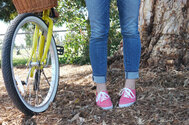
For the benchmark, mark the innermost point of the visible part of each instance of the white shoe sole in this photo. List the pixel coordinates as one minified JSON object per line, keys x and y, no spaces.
{"x":126,"y":105}
{"x":107,"y":108}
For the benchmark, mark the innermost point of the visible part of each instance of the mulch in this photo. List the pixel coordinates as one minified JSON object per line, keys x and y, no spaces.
{"x":162,"y":99}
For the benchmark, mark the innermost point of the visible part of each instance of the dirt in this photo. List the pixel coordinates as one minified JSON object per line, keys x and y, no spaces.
{"x":162,"y":99}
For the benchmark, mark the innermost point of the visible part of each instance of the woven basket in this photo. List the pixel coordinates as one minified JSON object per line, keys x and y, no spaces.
{"x":32,"y":6}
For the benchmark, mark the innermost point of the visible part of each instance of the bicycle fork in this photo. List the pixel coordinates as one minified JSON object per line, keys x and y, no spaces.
{"x":36,"y":61}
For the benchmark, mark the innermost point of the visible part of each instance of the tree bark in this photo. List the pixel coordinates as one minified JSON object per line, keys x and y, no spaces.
{"x":164,"y":29}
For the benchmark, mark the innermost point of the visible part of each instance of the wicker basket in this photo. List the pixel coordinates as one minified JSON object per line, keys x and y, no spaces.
{"x":31,"y":6}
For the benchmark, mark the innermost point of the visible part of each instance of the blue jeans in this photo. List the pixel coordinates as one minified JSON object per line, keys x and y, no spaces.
{"x":98,"y":11}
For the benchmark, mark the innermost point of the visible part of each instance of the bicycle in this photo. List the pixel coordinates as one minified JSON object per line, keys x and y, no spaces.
{"x":30,"y":65}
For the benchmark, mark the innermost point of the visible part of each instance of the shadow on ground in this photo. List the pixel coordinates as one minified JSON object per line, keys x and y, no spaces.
{"x":162,"y":98}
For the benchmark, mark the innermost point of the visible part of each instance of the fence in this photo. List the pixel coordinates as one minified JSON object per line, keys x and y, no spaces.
{"x":59,"y":36}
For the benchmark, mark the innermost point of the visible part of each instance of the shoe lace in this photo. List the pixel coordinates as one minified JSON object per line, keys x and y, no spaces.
{"x":127,"y":93}
{"x":102,"y":96}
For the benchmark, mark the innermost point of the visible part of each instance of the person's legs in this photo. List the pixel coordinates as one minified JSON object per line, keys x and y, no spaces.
{"x":98,"y":11}
{"x":129,"y":12}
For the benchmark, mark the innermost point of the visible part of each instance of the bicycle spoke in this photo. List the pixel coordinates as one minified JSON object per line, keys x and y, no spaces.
{"x":28,"y":76}
{"x":36,"y":98}
{"x":33,"y":88}
{"x":40,"y":94}
{"x":29,"y":98}
{"x":45,"y":77}
{"x":28,"y":53}
{"x":21,"y":54}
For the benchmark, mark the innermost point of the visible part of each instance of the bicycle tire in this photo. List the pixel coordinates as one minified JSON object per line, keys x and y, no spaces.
{"x":7,"y":66}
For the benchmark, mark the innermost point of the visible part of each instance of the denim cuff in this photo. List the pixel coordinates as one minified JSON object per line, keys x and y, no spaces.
{"x":131,"y":75}
{"x":99,"y":79}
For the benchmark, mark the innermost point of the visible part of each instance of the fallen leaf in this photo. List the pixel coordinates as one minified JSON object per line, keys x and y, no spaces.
{"x":76,"y":100}
{"x":103,"y":123}
{"x":75,"y":117}
{"x":81,"y":120}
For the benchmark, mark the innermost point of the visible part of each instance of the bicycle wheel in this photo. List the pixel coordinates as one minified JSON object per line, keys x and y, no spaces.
{"x":31,"y":94}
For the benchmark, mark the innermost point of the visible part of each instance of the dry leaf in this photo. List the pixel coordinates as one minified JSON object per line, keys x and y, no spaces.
{"x":103,"y":123}
{"x":75,"y":117}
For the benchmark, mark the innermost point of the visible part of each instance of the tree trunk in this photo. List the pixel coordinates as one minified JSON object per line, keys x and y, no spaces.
{"x":164,"y":29}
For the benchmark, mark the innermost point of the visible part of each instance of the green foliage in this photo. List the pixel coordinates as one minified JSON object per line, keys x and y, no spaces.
{"x":18,"y":62}
{"x":7,"y":10}
{"x":73,"y":13}
{"x":28,"y":36}
{"x":28,"y":40}
{"x":71,"y":10}
{"x":114,"y":33}
{"x":72,"y":46}
{"x":75,"y":45}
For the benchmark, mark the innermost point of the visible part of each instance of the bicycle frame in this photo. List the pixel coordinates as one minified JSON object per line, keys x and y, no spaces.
{"x":43,"y":48}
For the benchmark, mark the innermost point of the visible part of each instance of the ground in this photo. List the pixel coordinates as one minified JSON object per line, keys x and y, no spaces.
{"x":162,"y":99}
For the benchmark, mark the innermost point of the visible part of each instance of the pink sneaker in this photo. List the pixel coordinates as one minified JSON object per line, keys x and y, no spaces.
{"x":103,"y":100}
{"x":128,"y":97}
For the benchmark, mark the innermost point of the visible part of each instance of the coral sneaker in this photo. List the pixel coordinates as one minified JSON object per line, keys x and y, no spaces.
{"x":103,"y":100}
{"x":128,"y":97}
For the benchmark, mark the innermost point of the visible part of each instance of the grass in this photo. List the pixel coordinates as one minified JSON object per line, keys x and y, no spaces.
{"x":18,"y":62}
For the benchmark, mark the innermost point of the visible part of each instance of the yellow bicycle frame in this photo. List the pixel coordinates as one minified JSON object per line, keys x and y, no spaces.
{"x":43,"y":48}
